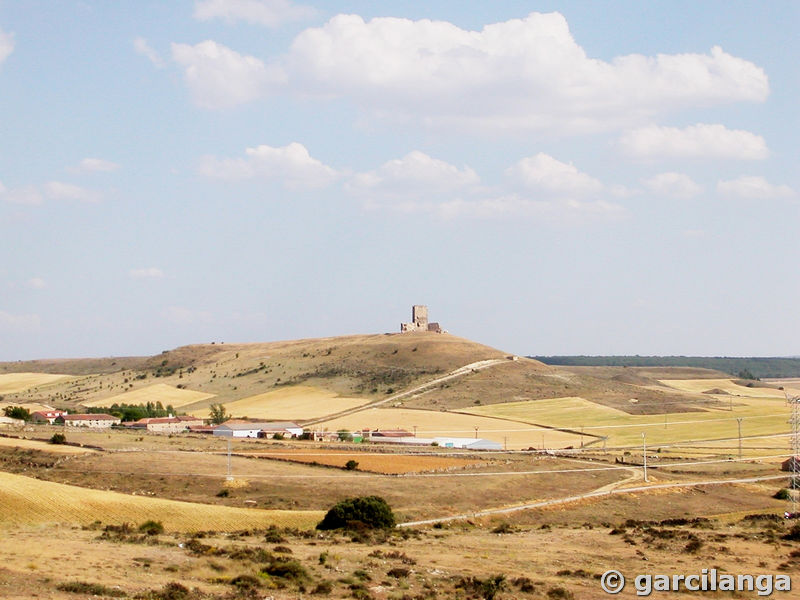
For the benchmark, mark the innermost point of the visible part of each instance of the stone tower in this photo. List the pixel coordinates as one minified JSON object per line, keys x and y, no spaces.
{"x":419,"y":316}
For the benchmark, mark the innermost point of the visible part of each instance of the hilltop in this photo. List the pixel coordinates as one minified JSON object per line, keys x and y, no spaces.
{"x":339,"y":373}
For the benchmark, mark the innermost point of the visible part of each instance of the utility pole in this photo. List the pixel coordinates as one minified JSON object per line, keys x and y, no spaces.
{"x":542,"y":442}
{"x":415,"y":431}
{"x":794,"y":444}
{"x":644,"y":455}
{"x":665,"y":420}
{"x":739,"y":421}
{"x":476,"y":433}
{"x":505,"y":442}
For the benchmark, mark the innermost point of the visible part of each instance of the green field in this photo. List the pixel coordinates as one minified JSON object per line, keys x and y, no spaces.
{"x":760,"y":417}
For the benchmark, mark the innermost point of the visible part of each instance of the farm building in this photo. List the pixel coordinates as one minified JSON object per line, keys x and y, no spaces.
{"x":255,"y":430}
{"x":444,"y":442}
{"x":99,"y":421}
{"x":47,"y":416}
{"x":9,"y":421}
{"x":165,"y":424}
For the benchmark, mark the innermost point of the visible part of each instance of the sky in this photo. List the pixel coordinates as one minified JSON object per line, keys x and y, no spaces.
{"x":567,"y":177}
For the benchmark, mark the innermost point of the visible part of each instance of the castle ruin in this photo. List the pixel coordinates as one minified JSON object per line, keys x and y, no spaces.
{"x":419,"y":321}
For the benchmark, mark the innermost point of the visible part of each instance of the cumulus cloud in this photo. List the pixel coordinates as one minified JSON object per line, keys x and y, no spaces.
{"x":545,"y":173}
{"x":753,"y":188}
{"x":16,"y":322}
{"x":219,"y":77}
{"x":697,"y":141}
{"x":676,"y":185}
{"x":524,"y":73}
{"x":37,"y":283}
{"x":58,"y":190}
{"x":270,"y":13}
{"x":141,"y":46}
{"x":292,"y":165}
{"x":6,"y":45}
{"x":96,"y":165}
{"x":53,"y":190}
{"x":146,"y":273}
{"x":415,"y":173}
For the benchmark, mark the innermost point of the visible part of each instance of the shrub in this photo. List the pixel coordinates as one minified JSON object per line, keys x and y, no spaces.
{"x":58,"y":438}
{"x":151,"y":527}
{"x":246,"y":582}
{"x":351,"y":465}
{"x":93,"y":589}
{"x":369,"y":511}
{"x":17,"y":412}
{"x":278,"y":436}
{"x":783,"y":494}
{"x":223,"y":493}
{"x":794,"y":534}
{"x":323,"y":587}
{"x":559,"y":593}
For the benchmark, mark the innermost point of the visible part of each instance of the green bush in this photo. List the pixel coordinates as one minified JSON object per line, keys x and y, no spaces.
{"x":351,"y":465}
{"x":352,"y":513}
{"x":783,"y":494}
{"x":17,"y":412}
{"x":58,"y":438}
{"x":94,"y":589}
{"x":151,"y":527}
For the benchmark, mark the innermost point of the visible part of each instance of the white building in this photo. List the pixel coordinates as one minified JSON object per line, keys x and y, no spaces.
{"x":99,"y":421}
{"x":255,"y":430}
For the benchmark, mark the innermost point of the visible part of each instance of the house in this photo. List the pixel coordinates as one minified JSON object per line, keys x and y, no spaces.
{"x":444,"y":442}
{"x":378,"y":434}
{"x":255,"y":430}
{"x":47,"y":416}
{"x":98,"y":421}
{"x":165,"y":424}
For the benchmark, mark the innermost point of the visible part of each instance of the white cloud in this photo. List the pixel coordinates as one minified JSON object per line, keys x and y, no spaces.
{"x":219,"y":77}
{"x":6,"y":45}
{"x":753,"y":188}
{"x":292,"y":165}
{"x":676,"y":185}
{"x":697,"y":141}
{"x":146,"y":273}
{"x":415,"y":173}
{"x":519,"y":74}
{"x":53,"y":190}
{"x":186,"y":316}
{"x":141,"y":46}
{"x":545,"y":173}
{"x":37,"y":283}
{"x":14,"y":322}
{"x":96,"y":165}
{"x":58,"y":190}
{"x":509,"y":206}
{"x":271,"y":13}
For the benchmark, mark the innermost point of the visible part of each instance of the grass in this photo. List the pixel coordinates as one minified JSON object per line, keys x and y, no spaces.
{"x":430,"y":423}
{"x":760,"y":415}
{"x":43,"y":446}
{"x":289,"y":403}
{"x":159,"y":392}
{"x":29,"y":501}
{"x":17,"y":382}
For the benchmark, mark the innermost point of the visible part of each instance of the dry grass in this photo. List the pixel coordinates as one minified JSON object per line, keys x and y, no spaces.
{"x":44,"y":446}
{"x":290,"y":403}
{"x":28,"y":501}
{"x":160,"y":392}
{"x":19,"y":382}
{"x":390,"y":464}
{"x":451,"y":424}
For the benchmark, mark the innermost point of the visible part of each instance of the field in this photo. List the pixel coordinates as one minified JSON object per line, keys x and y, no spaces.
{"x":29,"y":501}
{"x":18,"y":382}
{"x":390,"y":464}
{"x":701,"y":386}
{"x":289,"y":403}
{"x":43,"y":446}
{"x":514,"y":435}
{"x":160,"y":392}
{"x":761,"y":416}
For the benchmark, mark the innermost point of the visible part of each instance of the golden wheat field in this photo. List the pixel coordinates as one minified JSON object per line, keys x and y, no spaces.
{"x":296,"y":402}
{"x":388,"y":464}
{"x":429,"y":423}
{"x":698,"y":386}
{"x":44,"y":446}
{"x":24,"y":500}
{"x":160,"y":392}
{"x":10,"y":383}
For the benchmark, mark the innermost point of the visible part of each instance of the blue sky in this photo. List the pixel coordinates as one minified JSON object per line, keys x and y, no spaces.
{"x":549,"y":177}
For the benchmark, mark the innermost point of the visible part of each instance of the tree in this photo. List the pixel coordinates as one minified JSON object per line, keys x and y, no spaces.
{"x":344,"y":435}
{"x":351,"y":465}
{"x":217,"y":414}
{"x":58,"y":438}
{"x":17,"y":412}
{"x":369,"y":511}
